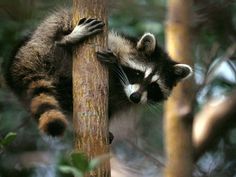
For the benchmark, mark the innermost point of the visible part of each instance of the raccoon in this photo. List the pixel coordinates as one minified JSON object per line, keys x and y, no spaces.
{"x":40,"y":72}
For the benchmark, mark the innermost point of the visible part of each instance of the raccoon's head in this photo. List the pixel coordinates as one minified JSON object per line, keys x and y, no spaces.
{"x":148,"y":72}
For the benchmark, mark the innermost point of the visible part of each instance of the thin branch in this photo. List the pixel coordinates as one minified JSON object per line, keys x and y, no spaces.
{"x":215,"y":119}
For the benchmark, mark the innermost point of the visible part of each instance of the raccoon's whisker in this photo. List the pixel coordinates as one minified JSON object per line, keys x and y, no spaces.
{"x":119,"y":74}
{"x":151,"y":109}
{"x":122,"y":75}
{"x":122,"y":79}
{"x":124,"y":82}
{"x":156,"y":107}
{"x":151,"y":106}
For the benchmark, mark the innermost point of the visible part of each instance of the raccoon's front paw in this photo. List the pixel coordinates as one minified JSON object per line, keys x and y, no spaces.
{"x":85,"y":28}
{"x":107,"y":57}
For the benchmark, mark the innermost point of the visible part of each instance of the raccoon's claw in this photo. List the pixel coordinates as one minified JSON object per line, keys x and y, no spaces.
{"x":107,"y":56}
{"x":82,"y":20}
{"x":111,"y":137}
{"x":85,"y":20}
{"x":90,"y":26}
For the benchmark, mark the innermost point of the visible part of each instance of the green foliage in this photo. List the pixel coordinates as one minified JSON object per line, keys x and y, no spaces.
{"x":78,"y":164}
{"x":71,"y":170}
{"x":9,"y":138}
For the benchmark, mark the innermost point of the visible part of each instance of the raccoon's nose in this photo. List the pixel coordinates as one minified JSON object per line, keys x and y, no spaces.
{"x":135,"y":97}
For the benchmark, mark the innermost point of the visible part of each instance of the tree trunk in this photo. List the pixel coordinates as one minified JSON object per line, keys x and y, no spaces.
{"x":178,"y":109}
{"x":90,"y":89}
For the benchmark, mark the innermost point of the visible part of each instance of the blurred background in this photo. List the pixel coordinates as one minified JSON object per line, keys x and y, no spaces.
{"x":213,"y":36}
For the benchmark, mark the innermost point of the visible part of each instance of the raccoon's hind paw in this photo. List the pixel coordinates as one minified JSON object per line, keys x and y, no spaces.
{"x":53,"y":124}
{"x":107,"y":57}
{"x":111,"y":137}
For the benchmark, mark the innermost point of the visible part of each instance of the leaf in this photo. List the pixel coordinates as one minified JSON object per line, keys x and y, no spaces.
{"x":8,"y":139}
{"x":80,"y":161}
{"x":71,"y":170}
{"x":94,"y":163}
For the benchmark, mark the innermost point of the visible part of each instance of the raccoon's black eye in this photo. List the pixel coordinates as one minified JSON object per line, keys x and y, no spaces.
{"x":153,"y":85}
{"x":138,"y":73}
{"x":133,"y":75}
{"x":154,"y":92}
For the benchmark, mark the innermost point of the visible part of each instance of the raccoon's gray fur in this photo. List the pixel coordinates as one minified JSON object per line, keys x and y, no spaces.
{"x":40,"y":72}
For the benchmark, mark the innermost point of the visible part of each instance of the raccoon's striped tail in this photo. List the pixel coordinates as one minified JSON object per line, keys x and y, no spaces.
{"x":45,"y":108}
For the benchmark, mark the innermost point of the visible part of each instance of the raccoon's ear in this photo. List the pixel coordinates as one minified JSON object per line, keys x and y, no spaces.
{"x":147,"y":43}
{"x":182,"y":71}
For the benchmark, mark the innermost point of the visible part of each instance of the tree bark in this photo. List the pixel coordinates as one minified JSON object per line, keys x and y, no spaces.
{"x":178,"y":109}
{"x":90,"y":89}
